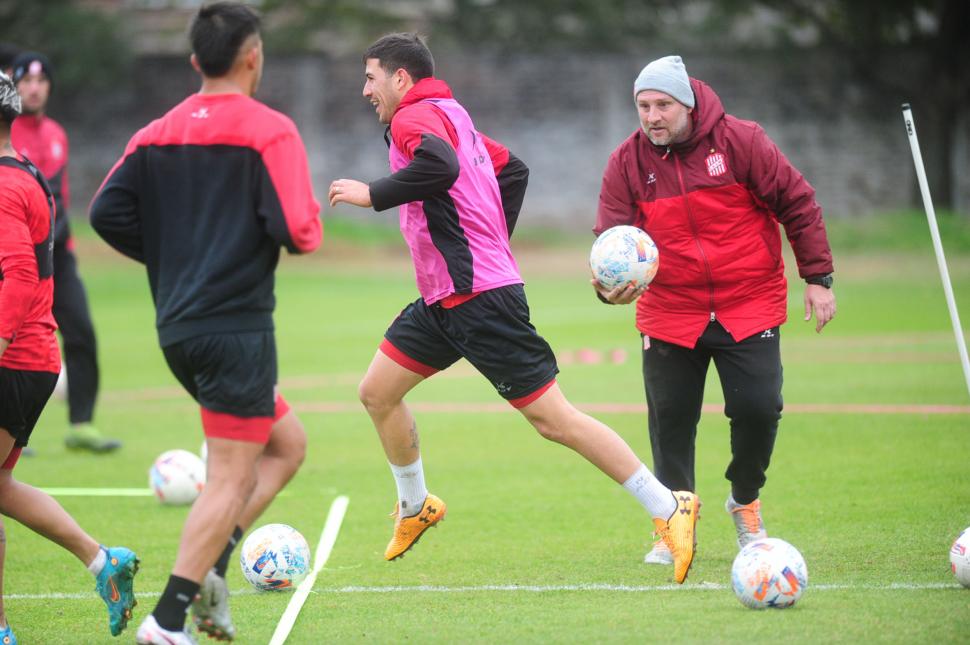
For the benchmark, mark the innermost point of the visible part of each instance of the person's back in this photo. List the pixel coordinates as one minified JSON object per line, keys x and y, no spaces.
{"x":216,"y":200}
{"x":205,"y":197}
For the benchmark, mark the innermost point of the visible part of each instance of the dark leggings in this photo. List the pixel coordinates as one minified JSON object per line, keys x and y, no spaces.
{"x":77,"y":331}
{"x":751,"y":378}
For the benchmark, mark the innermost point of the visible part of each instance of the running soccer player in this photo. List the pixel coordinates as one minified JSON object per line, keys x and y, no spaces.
{"x":205,"y":197}
{"x":459,"y":193}
{"x":29,"y":364}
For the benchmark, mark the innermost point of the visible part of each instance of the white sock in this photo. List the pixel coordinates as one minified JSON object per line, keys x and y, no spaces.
{"x":98,"y":563}
{"x":411,"y":490}
{"x":654,"y":496}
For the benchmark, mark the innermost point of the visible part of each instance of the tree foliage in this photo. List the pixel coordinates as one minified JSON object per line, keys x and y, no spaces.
{"x":85,"y":46}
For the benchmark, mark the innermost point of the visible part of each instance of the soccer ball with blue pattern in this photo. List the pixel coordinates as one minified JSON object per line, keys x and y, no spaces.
{"x":622,"y":255}
{"x":960,"y":558}
{"x":275,"y":557}
{"x":769,"y":573}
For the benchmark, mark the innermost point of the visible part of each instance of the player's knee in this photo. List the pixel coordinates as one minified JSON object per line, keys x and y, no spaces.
{"x":373,"y":397}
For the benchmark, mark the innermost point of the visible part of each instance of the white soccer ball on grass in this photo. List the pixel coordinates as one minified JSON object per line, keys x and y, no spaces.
{"x":622,"y":255}
{"x":960,"y":558}
{"x":769,"y":573}
{"x":177,"y":477}
{"x":275,"y":557}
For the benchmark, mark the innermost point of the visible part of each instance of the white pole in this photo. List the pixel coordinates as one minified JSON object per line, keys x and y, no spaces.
{"x":937,"y":244}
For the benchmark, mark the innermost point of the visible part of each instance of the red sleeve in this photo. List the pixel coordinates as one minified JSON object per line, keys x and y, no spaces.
{"x":498,"y":153}
{"x":779,"y":186}
{"x":419,"y":119}
{"x":286,"y":163}
{"x":617,"y":204}
{"x":18,"y":263}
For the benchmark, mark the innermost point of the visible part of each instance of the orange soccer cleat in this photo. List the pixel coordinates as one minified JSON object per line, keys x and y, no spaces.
{"x":677,"y":532}
{"x":407,"y":530}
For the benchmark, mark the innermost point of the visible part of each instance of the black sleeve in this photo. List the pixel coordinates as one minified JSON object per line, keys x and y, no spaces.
{"x":512,"y":182}
{"x":434,"y":169}
{"x":114,"y":211}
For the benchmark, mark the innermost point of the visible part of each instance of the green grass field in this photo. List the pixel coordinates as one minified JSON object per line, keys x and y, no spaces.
{"x":538,"y":546}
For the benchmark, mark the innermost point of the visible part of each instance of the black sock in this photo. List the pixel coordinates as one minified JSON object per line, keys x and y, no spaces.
{"x":170,"y":611}
{"x":223,"y":562}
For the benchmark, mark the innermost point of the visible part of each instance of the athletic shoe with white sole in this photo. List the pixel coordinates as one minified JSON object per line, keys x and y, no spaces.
{"x":115,"y":585}
{"x":677,"y":531}
{"x":210,"y":609}
{"x":659,"y":554}
{"x":747,"y":520}
{"x":149,"y":633}
{"x":407,"y":530}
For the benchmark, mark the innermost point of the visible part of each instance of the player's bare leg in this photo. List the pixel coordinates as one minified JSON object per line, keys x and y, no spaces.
{"x":114,"y":568}
{"x":282,"y":457}
{"x":674,"y":512}
{"x":230,"y":481}
{"x":382,"y":392}
{"x":558,"y":420}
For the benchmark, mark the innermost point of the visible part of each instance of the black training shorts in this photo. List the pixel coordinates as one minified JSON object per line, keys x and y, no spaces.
{"x":23,"y":395}
{"x":231,"y":373}
{"x":492,"y":331}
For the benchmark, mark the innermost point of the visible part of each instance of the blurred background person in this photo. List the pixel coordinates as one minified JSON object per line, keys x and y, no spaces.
{"x":42,"y":140}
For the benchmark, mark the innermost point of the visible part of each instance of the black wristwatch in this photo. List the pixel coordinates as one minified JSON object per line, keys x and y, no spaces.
{"x":825,"y":280}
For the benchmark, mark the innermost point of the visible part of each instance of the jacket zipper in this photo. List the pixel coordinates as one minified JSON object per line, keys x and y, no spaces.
{"x":693,"y":228}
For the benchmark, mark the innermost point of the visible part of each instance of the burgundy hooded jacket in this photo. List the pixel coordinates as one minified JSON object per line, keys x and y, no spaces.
{"x":712,"y":204}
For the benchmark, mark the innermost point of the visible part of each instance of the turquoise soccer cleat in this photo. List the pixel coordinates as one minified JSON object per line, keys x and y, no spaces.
{"x":7,"y":636}
{"x":116,"y":586}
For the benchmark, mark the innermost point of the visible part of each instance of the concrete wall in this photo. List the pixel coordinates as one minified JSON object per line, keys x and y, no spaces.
{"x":561,"y":115}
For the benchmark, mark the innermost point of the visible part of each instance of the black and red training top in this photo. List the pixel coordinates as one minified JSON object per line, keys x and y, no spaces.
{"x":205,"y":197}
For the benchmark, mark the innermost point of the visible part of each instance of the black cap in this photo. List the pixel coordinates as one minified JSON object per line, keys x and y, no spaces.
{"x":30,"y":63}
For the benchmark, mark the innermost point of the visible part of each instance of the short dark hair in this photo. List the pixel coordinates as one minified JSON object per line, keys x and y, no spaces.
{"x":218,"y":31}
{"x":403,"y":51}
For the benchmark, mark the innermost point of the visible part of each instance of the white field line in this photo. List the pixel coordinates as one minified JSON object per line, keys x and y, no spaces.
{"x":98,"y":492}
{"x":593,"y":586}
{"x":324,"y":547}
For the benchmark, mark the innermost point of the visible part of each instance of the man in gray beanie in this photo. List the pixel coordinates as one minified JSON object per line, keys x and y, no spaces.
{"x":711,"y":190}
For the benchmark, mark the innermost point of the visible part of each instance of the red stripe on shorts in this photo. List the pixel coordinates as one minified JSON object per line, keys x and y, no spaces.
{"x":523,"y":401}
{"x":228,"y":426}
{"x":280,"y":408}
{"x":406,"y":361}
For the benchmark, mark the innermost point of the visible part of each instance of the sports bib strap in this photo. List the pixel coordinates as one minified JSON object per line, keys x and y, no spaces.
{"x":44,"y":250}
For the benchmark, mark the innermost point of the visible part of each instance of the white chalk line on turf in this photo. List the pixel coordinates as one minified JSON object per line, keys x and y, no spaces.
{"x":700,"y":586}
{"x":324,"y":547}
{"x":98,"y":492}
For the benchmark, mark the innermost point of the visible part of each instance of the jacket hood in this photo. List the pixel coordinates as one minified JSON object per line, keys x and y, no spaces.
{"x":426,"y":88}
{"x":707,"y":111}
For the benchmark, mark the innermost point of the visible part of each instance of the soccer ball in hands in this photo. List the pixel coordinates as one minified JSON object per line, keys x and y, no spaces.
{"x":769,"y":573}
{"x":622,"y":255}
{"x":177,"y":477}
{"x":960,"y":558}
{"x":275,"y":557}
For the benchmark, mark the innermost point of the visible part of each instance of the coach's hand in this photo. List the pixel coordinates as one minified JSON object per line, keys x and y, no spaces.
{"x":821,"y":302}
{"x":620,"y":295}
{"x":351,"y":191}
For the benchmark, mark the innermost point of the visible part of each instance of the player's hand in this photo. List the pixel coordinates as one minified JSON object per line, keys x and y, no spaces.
{"x":622,"y":295}
{"x":821,"y":302}
{"x":350,"y":191}
{"x":4,"y":344}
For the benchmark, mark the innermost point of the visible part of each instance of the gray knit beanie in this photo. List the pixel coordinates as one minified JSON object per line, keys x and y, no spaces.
{"x":667,"y":75}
